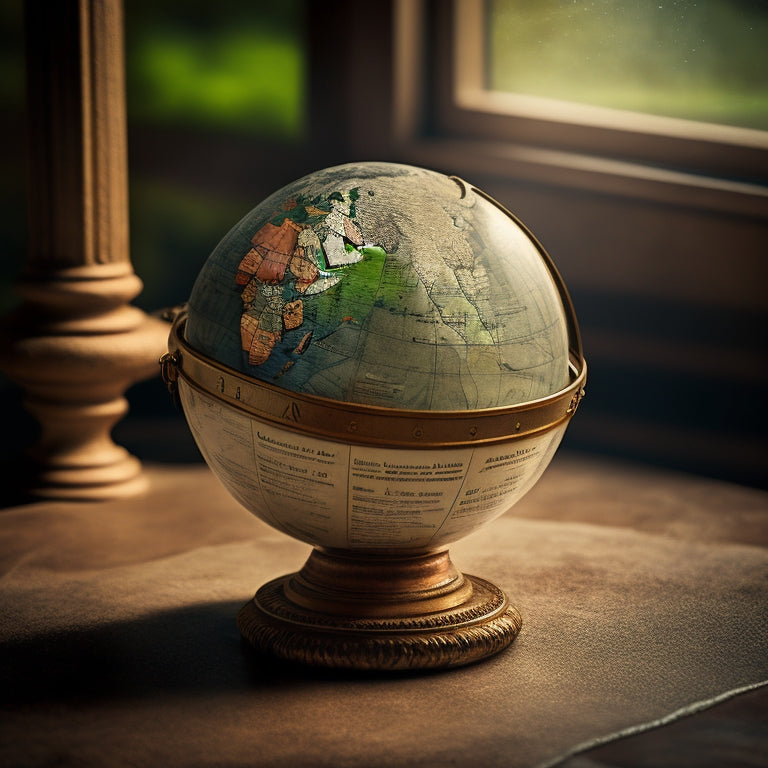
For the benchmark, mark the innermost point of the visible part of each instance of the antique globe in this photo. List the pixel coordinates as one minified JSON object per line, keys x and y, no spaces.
{"x":377,"y":360}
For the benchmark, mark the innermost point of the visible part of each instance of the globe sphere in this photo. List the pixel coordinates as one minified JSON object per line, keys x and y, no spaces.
{"x":378,"y":357}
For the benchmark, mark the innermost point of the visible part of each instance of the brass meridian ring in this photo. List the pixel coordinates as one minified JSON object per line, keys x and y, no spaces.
{"x":367,"y":424}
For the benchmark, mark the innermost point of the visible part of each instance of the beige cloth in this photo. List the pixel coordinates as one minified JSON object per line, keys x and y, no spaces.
{"x":642,"y":594}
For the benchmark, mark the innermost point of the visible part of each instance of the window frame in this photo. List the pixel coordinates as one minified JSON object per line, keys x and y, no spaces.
{"x":451,"y":116}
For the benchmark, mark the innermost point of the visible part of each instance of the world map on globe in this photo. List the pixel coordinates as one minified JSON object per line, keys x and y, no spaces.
{"x":386,"y":285}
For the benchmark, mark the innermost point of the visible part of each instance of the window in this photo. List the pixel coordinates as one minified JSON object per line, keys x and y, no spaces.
{"x":593,"y":145}
{"x":702,"y":61}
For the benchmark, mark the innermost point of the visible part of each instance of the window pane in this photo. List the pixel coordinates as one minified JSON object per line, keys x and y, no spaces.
{"x":703,"y":60}
{"x":226,"y":65}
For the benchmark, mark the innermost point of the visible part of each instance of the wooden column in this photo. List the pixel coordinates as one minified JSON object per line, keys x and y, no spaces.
{"x":76,"y":344}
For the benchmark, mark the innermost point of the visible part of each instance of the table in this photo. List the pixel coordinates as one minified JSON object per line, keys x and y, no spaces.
{"x":643,"y":596}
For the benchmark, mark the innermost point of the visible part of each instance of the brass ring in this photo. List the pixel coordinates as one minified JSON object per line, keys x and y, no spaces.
{"x":373,"y":425}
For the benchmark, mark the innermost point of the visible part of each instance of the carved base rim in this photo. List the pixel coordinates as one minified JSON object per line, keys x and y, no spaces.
{"x":482,"y":626}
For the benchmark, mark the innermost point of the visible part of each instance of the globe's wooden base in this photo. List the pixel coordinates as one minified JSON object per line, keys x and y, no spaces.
{"x":379,"y":613}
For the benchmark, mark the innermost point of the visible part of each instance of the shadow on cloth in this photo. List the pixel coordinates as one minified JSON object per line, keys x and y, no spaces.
{"x":195,"y":649}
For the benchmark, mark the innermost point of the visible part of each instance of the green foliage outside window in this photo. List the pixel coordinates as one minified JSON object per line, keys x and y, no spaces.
{"x":695,"y":59}
{"x":224,"y":65}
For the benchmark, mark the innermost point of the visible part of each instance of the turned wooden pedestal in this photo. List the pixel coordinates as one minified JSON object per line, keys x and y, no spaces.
{"x":75,"y":344}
